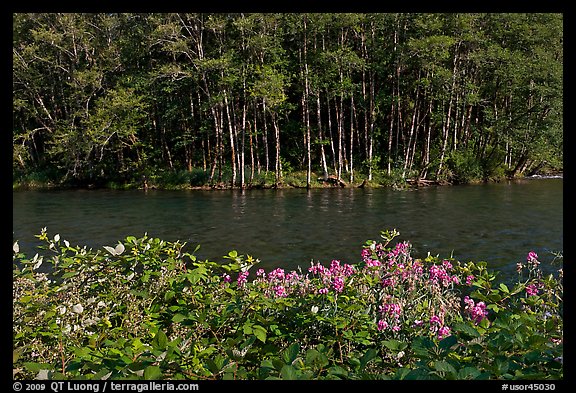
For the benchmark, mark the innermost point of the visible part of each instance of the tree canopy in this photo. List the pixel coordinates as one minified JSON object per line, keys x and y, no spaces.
{"x":113,"y":97}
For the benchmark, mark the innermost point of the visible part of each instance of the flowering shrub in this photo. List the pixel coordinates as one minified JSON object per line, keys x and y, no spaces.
{"x":147,"y":309}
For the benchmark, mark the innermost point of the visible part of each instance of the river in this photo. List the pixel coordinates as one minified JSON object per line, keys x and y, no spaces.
{"x":494,"y":222}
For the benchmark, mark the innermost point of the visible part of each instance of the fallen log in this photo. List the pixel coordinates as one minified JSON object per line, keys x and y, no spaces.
{"x":333,"y":180}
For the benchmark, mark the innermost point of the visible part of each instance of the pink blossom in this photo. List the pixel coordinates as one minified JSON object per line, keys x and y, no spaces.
{"x":392,"y":309}
{"x":338,"y":284}
{"x":435,"y":320}
{"x":366,"y":254}
{"x":443,"y":332}
{"x":396,"y":328}
{"x":243,"y":278}
{"x":477,"y":311}
{"x":277,"y":274}
{"x":373,"y":263}
{"x":438,"y":273}
{"x":469,"y":279}
{"x":323,"y":291}
{"x":532,"y":256}
{"x":226,"y":277}
{"x":382,"y":324}
{"x":280,"y":291}
{"x":532,"y":290}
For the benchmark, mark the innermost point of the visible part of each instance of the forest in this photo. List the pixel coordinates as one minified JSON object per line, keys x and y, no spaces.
{"x":247,"y":99}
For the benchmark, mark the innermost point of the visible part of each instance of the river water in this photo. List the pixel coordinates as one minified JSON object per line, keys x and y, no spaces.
{"x":496,"y":222}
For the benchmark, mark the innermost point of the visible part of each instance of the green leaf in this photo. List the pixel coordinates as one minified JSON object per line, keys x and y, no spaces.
{"x":278,"y":364}
{"x":290,"y":353}
{"x":214,"y":369}
{"x":16,"y":354}
{"x":160,"y":340}
{"x":315,"y":358}
{"x":444,"y":366}
{"x":36,"y":367}
{"x":288,"y":372}
{"x":504,"y":288}
{"x":152,"y":372}
{"x":466,"y":329}
{"x":177,"y":318}
{"x":448,"y":342}
{"x":169,"y":295}
{"x":370,"y":354}
{"x":394,"y":345}
{"x":247,"y":328}
{"x":259,"y":332}
{"x":468,"y":373}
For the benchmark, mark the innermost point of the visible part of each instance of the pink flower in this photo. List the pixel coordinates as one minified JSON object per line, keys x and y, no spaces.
{"x":373,"y":263}
{"x":382,"y":324}
{"x":280,"y":291}
{"x":226,"y":277}
{"x":366,"y":254}
{"x":469,"y":279}
{"x":323,"y":291}
{"x":477,"y":311}
{"x":338,"y":284}
{"x":443,"y":332}
{"x":242,"y":278}
{"x":532,"y":256}
{"x":532,"y":290}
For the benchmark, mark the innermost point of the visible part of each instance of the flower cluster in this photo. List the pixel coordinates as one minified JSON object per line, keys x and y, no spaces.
{"x":477,"y":311}
{"x":278,"y":283}
{"x":439,"y":274}
{"x":333,"y":277}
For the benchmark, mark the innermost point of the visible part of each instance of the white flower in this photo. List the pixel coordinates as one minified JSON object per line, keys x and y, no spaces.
{"x":56,"y":237}
{"x":37,"y":265}
{"x":115,"y":251}
{"x":77,"y":308}
{"x":62,"y":310}
{"x":314,"y":309}
{"x":16,"y":248}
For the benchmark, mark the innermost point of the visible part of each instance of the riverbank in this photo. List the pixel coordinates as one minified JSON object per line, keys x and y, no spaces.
{"x":186,"y":181}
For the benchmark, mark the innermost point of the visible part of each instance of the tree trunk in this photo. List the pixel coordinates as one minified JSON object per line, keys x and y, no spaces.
{"x":231,"y":134}
{"x":321,"y":137}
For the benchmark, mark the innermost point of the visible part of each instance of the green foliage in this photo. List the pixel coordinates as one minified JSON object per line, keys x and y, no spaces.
{"x":147,"y":309}
{"x":464,"y":166}
{"x":100,"y":99}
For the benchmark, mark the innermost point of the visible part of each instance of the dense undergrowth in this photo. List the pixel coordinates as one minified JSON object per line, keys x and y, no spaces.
{"x":145,"y":309}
